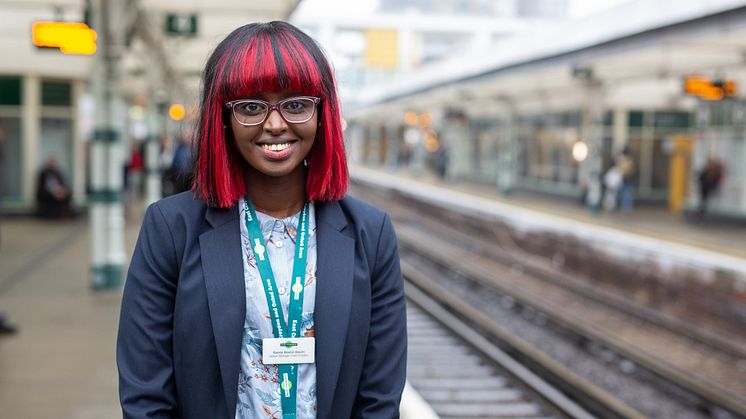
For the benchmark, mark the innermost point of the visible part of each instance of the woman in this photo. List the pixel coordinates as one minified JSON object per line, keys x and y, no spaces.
{"x":196,"y":314}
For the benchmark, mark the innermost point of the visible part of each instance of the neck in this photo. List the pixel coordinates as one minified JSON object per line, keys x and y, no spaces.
{"x":278,"y":197}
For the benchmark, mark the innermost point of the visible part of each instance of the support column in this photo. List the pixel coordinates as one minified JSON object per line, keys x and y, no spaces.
{"x":78,"y":155}
{"x":406,"y":49}
{"x":456,"y":138}
{"x":107,"y":157}
{"x":591,"y":169}
{"x":356,"y":138}
{"x":392,"y":146}
{"x":30,"y":137}
{"x":374,"y":145}
{"x":508,"y":151}
{"x":153,"y":184}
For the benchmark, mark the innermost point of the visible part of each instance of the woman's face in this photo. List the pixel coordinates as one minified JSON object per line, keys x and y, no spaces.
{"x":275,"y":147}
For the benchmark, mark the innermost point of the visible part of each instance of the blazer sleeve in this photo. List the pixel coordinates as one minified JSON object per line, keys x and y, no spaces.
{"x":144,"y":343}
{"x":384,"y":368}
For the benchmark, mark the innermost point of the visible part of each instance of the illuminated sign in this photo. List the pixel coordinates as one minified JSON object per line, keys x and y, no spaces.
{"x":177,"y":112}
{"x":68,"y":37}
{"x":706,"y":89}
{"x":181,"y":24}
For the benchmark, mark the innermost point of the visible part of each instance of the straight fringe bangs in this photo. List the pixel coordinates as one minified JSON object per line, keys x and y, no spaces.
{"x":258,"y":58}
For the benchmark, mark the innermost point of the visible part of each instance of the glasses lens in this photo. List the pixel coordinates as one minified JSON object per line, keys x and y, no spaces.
{"x":250,"y":112}
{"x":297,"y":109}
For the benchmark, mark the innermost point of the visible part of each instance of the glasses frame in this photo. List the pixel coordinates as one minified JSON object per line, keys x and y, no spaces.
{"x":270,"y":107}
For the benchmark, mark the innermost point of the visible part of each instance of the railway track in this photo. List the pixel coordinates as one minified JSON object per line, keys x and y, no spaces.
{"x":701,"y":373}
{"x":462,"y":374}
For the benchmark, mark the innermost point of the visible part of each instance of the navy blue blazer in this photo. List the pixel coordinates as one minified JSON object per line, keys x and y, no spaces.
{"x":184,"y":306}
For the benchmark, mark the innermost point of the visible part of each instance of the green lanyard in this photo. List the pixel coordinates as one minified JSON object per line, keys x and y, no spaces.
{"x":280,"y":329}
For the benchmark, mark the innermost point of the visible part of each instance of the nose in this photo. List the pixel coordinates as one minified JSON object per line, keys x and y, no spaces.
{"x":275,"y":124}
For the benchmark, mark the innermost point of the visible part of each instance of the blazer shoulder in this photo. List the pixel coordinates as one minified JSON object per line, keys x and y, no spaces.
{"x":362,"y":213}
{"x":183,"y":204}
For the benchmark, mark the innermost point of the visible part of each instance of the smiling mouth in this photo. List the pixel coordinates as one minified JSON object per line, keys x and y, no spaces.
{"x":276,"y":147}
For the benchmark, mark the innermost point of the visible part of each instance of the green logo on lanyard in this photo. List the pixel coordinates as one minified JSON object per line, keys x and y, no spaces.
{"x":259,"y":249}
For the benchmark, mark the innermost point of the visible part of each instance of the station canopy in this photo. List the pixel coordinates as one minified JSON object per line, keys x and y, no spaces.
{"x":638,"y":54}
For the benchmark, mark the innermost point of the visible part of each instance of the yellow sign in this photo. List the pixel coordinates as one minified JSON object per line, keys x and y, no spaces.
{"x":709,"y":90}
{"x":68,"y":37}
{"x":381,"y":48}
{"x":177,"y":112}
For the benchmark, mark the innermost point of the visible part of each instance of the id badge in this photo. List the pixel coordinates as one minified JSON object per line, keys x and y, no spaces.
{"x":288,"y":351}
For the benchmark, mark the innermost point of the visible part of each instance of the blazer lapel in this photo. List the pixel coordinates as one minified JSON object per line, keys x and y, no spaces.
{"x":334,"y":270}
{"x":222,"y":266}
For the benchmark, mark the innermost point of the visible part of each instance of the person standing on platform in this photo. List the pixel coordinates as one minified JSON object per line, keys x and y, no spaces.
{"x":709,"y":180}
{"x":52,"y":193}
{"x":181,"y":165}
{"x":626,"y":167}
{"x":266,"y":230}
{"x":612,"y":184}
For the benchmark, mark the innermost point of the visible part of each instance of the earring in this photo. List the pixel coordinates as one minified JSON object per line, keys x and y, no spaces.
{"x":305,"y":162}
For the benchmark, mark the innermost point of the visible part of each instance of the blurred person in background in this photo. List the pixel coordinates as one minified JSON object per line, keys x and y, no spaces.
{"x":626,"y":167}
{"x":133,"y":174}
{"x":612,"y":184}
{"x":266,"y":230}
{"x":165,"y":164}
{"x":709,"y":180}
{"x":6,"y":328}
{"x":52,"y":192}
{"x":181,"y":171}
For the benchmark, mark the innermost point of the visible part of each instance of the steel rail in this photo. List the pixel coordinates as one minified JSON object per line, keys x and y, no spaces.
{"x":569,"y":393}
{"x":459,"y":259}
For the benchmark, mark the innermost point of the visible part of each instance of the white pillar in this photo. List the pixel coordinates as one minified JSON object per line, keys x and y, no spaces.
{"x":508,"y":148}
{"x":107,"y":157}
{"x":79,"y":165}
{"x":406,"y":51}
{"x":355,"y":140}
{"x":30,"y":135}
{"x":153,"y":185}
{"x":621,"y":130}
{"x":592,"y":134}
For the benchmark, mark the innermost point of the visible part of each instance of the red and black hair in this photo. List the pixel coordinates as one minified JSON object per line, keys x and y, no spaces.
{"x":258,"y":58}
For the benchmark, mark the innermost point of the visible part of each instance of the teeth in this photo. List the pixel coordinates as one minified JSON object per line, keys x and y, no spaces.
{"x":275,"y":147}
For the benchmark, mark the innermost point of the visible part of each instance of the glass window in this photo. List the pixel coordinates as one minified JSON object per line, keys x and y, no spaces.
{"x":10,"y":91}
{"x":56,"y":93}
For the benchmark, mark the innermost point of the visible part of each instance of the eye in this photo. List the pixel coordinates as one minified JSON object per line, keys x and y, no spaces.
{"x":251,"y":108}
{"x":296,"y":105}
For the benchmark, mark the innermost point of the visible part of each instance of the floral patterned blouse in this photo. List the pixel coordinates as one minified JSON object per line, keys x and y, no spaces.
{"x":258,"y":386}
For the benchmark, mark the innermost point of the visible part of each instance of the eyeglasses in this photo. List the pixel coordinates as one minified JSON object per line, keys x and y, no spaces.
{"x":294,"y":110}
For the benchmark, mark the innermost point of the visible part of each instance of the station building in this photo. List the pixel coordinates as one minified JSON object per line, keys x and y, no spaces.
{"x":379,"y":43}
{"x":47,"y":103}
{"x":550,"y":111}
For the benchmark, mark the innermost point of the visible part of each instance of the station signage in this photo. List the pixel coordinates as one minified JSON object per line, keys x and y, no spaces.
{"x":706,"y":89}
{"x":68,"y":37}
{"x":181,"y":24}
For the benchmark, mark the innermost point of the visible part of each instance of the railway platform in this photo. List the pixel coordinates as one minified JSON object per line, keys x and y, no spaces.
{"x":61,"y":362}
{"x":645,"y":232}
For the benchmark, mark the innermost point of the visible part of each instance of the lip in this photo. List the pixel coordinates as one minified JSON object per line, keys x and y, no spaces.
{"x":277,"y":155}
